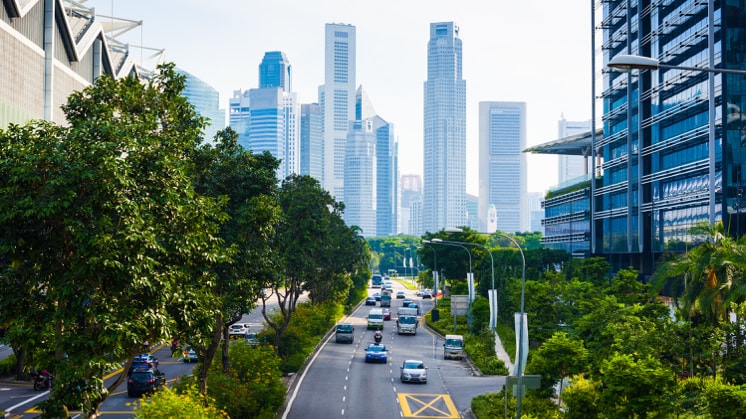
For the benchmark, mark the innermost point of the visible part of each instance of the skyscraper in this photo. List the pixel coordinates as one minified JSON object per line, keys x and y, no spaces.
{"x":337,"y":100}
{"x":502,"y":165}
{"x":444,"y":131}
{"x":360,"y":177}
{"x":311,"y":141}
{"x":411,"y":191}
{"x":569,"y":166}
{"x":274,"y":114}
{"x":206,"y":102}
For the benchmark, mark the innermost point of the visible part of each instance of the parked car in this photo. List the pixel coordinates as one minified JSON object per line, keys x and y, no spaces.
{"x":401,"y":294}
{"x":189,"y":355}
{"x":413,"y":371}
{"x":371,"y":301}
{"x":376,"y":352}
{"x":143,"y":380}
{"x":386,"y":313}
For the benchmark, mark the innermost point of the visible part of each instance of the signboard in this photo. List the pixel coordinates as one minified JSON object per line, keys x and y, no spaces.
{"x":459,"y":305}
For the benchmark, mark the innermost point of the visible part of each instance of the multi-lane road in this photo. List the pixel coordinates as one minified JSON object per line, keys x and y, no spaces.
{"x":339,"y":383}
{"x":336,"y":383}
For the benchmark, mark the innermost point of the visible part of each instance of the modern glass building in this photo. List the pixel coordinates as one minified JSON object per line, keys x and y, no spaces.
{"x":673,"y":140}
{"x":361,"y":177}
{"x":337,"y":101}
{"x":275,"y":71}
{"x":444,"y":146}
{"x":206,"y":102}
{"x":502,"y":165}
{"x":311,"y":141}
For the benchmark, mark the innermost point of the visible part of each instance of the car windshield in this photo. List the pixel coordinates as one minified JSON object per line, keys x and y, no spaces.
{"x":453,"y":342}
{"x":375,"y":316}
{"x":344,"y":328}
{"x":376,"y":348}
{"x":407,"y":320}
{"x":414,"y":365}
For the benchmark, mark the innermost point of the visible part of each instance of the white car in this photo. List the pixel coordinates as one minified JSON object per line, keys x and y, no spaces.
{"x":413,"y":371}
{"x":237,"y":329}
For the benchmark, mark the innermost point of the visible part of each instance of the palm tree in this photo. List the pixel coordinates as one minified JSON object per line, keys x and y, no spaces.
{"x":708,"y":277}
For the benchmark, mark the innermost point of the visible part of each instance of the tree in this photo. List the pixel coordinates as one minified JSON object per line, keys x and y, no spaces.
{"x":558,"y":358}
{"x":635,"y":387}
{"x":247,"y":183}
{"x":99,"y":225}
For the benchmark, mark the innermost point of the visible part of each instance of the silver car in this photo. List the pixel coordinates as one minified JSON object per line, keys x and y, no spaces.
{"x":413,"y":371}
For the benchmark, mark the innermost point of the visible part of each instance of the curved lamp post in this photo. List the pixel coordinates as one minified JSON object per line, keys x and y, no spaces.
{"x":519,"y":366}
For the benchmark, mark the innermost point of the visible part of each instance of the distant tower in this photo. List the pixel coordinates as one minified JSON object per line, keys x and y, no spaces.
{"x":571,"y":167}
{"x":311,"y":141}
{"x":444,"y":144}
{"x":337,"y":100}
{"x":502,"y":165}
{"x":360,"y":177}
{"x":206,"y":102}
{"x":411,"y":192}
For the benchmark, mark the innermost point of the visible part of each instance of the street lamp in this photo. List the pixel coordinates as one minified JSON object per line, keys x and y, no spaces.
{"x":520,"y":364}
{"x":435,"y":268}
{"x":450,"y":243}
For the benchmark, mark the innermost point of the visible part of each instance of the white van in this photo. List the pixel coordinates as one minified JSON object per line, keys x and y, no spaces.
{"x":375,"y":318}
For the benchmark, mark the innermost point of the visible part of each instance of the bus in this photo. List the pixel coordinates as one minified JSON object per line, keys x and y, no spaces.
{"x":376,"y":281}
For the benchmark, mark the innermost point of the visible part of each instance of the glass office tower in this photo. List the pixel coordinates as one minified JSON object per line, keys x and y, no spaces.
{"x":444,"y":128}
{"x":673,"y":140}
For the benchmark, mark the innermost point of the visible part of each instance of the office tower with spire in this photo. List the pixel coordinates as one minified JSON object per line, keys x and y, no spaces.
{"x":502,"y":165}
{"x":337,"y":101}
{"x":444,"y":156}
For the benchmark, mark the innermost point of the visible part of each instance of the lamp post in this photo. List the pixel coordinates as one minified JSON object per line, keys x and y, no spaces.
{"x":435,"y":268}
{"x":470,"y":277}
{"x":519,"y":366}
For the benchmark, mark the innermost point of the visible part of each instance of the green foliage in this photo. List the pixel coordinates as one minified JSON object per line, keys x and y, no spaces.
{"x":187,"y":402}
{"x":8,"y":366}
{"x":581,"y":399}
{"x":724,"y":400}
{"x":635,"y":386}
{"x":253,"y":387}
{"x":492,"y":405}
{"x":557,"y":358}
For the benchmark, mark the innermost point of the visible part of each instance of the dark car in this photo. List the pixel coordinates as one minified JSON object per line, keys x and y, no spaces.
{"x":377,"y":296}
{"x":144,"y":380}
{"x":401,"y":294}
{"x":144,"y":360}
{"x":406,"y":302}
{"x":376,"y":352}
{"x":371,"y":301}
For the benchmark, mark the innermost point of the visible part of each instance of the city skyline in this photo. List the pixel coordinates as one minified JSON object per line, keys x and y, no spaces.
{"x":508,"y":57}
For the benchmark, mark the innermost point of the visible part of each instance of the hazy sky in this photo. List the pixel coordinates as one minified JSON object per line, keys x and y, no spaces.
{"x":536,"y":52}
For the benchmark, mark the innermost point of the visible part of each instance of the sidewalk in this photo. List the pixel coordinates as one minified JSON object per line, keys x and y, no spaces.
{"x":501,"y":354}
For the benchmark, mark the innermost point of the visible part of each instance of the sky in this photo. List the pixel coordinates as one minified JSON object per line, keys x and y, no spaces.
{"x":537,"y":52}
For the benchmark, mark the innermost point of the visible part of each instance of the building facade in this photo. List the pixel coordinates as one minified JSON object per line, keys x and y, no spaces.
{"x":411,"y":191}
{"x":444,"y":146}
{"x":361,"y":177}
{"x":673,"y":142}
{"x":311,"y":141}
{"x":502,"y":165}
{"x":337,"y":101}
{"x":206,"y":102}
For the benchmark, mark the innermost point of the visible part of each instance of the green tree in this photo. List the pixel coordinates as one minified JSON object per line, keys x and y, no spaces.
{"x":635,"y":387}
{"x":558,"y":358}
{"x":581,"y":399}
{"x":187,"y":403}
{"x":100,"y":224}
{"x":247,"y":183}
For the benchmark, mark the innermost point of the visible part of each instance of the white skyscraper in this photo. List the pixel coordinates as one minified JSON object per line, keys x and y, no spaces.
{"x":444,"y":131}
{"x":337,"y":100}
{"x":502,"y":165}
{"x":361,"y":177}
{"x":571,"y":167}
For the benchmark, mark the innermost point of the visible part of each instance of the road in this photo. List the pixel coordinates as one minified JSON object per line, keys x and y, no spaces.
{"x":339,"y":383}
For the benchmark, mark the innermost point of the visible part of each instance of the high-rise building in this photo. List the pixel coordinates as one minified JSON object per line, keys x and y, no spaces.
{"x":206,"y":102}
{"x":411,"y":191}
{"x":569,"y":166}
{"x":337,"y":100}
{"x":472,"y":212}
{"x":673,"y":144}
{"x":444,"y":144}
{"x":268,"y":118}
{"x":360,"y":177}
{"x":535,"y":211}
{"x":502,"y":165}
{"x":311,"y":141}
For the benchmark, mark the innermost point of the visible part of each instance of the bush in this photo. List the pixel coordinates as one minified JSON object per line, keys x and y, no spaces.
{"x":184,"y":402}
{"x":581,"y":399}
{"x":492,"y":405}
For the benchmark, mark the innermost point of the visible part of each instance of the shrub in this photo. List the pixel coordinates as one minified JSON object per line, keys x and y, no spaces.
{"x":185,"y":402}
{"x":581,"y":399}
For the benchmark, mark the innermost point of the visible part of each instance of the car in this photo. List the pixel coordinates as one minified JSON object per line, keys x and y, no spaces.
{"x":143,"y":380}
{"x":189,"y":355}
{"x":370,"y":301}
{"x":376,"y":352}
{"x":386,"y":314}
{"x":237,"y":329}
{"x":144,"y":360}
{"x":427,"y":294}
{"x":251,"y":338}
{"x":419,"y":292}
{"x":413,"y":371}
{"x":401,"y":294}
{"x":407,"y":302}
{"x":377,"y":296}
